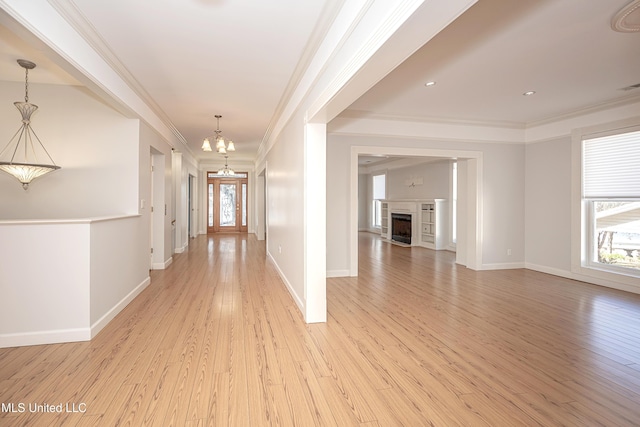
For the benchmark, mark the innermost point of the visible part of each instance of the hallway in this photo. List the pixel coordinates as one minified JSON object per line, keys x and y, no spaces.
{"x":415,"y":339}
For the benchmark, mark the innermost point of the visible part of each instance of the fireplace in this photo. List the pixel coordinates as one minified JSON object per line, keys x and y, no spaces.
{"x":401,"y":228}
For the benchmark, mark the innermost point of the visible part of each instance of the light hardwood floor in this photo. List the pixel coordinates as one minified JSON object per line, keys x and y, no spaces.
{"x":414,"y":340}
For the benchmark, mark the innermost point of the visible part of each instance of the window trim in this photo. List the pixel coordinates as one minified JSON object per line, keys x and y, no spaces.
{"x":581,"y":267}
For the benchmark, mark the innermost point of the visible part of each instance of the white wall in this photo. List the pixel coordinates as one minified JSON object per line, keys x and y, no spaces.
{"x":364,"y":196}
{"x":285,"y":204}
{"x":434,"y":177}
{"x":66,"y":287}
{"x":548,"y":204}
{"x":553,"y":195}
{"x":96,"y":147}
{"x":118,"y":259}
{"x":44,"y":283}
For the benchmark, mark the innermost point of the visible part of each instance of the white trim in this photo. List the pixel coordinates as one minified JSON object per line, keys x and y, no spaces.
{"x":580,"y":270}
{"x":315,"y":222}
{"x":294,"y":295}
{"x":363,"y":114}
{"x":162,"y":265}
{"x":45,"y":337}
{"x":66,"y":221}
{"x":337,"y":273}
{"x":503,"y":266}
{"x":116,"y":309}
{"x":586,"y":279}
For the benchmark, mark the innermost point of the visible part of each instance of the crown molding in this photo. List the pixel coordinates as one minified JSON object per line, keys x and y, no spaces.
{"x":78,"y":21}
{"x":326,"y":19}
{"x":363,"y":114}
{"x":400,"y":163}
{"x":595,"y":108}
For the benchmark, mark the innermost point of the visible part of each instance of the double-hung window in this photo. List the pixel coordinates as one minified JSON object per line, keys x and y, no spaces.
{"x":611,"y":202}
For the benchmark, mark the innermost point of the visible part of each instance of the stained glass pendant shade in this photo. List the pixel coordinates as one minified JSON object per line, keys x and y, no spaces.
{"x":25,"y":148}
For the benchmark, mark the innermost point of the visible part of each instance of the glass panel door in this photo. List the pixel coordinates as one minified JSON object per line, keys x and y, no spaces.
{"x":227,"y":203}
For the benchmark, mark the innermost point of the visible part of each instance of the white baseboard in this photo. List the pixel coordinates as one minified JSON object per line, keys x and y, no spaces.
{"x":162,"y":265}
{"x":338,"y":273}
{"x":549,"y":270}
{"x":45,"y":337}
{"x":108,"y":317}
{"x":583,"y":278}
{"x":295,"y":296}
{"x":503,"y":266}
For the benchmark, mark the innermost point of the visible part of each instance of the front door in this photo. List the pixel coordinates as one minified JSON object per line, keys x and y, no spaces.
{"x":227,"y":203}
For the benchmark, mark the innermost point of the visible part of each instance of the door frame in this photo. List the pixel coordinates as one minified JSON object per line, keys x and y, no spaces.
{"x":241,"y":179}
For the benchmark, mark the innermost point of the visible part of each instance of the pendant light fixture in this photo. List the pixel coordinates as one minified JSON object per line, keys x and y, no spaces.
{"x":222,"y":146}
{"x":24,"y":163}
{"x":225,"y":171}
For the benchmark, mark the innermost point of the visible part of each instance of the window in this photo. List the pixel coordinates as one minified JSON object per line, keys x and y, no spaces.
{"x":379,"y":193}
{"x":611,"y":201}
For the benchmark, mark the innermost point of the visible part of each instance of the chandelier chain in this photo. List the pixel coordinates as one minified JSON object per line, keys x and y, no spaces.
{"x":26,"y":85}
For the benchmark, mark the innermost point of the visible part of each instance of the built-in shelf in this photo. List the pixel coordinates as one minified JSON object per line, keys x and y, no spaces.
{"x":384,"y":221}
{"x":432,"y":224}
{"x":428,"y":219}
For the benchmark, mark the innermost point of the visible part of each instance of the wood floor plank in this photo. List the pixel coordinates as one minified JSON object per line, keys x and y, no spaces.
{"x":316,"y":401}
{"x":217,"y":340}
{"x":219,"y":402}
{"x":159,"y":404}
{"x":239,"y":414}
{"x":144,"y":392}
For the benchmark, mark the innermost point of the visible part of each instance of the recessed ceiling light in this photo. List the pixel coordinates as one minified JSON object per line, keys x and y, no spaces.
{"x":529,"y":93}
{"x":432,"y":83}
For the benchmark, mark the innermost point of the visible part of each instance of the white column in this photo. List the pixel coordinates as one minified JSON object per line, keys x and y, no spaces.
{"x":315,"y":223}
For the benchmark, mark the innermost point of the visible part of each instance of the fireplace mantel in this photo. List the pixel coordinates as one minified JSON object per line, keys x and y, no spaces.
{"x":428,"y":220}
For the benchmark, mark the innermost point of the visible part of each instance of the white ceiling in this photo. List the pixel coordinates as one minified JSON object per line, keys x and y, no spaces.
{"x":483,"y":62}
{"x":194,"y":59}
{"x":197,"y":58}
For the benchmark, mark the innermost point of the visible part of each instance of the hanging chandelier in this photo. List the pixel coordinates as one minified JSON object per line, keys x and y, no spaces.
{"x":24,"y":164}
{"x":225,"y":170}
{"x":222,"y":146}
